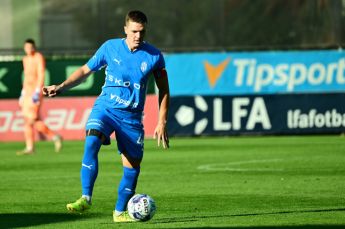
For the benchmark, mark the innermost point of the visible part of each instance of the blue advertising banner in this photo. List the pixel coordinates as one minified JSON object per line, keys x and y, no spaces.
{"x":261,"y":114}
{"x":238,"y":73}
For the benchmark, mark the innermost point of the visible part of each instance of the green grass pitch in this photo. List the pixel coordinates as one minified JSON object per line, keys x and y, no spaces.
{"x":230,"y":182}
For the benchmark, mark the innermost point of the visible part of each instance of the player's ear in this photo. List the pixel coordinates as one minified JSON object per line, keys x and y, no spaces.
{"x":125,"y":29}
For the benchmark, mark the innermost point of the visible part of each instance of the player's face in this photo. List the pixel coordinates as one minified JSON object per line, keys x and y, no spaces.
{"x":29,"y":48}
{"x":135,"y":34}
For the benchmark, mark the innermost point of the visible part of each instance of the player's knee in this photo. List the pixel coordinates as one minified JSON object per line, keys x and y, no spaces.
{"x":92,"y":142}
{"x":39,"y":124}
{"x":130,"y":162}
{"x":98,"y":134}
{"x":135,"y":163}
{"x":30,"y":121}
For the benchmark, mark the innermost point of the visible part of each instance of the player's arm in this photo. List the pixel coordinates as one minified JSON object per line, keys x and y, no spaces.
{"x":40,"y":78}
{"x":77,"y":77}
{"x":162,"y":83}
{"x":22,"y":93}
{"x":41,"y":65}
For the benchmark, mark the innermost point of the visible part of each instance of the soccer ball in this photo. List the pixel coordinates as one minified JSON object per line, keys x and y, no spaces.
{"x":141,"y":207}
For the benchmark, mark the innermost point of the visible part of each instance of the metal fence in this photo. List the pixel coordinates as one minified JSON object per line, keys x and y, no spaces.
{"x":80,"y":26}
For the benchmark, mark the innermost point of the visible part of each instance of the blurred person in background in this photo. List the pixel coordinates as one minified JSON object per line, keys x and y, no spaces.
{"x":31,"y":99}
{"x":129,"y":62}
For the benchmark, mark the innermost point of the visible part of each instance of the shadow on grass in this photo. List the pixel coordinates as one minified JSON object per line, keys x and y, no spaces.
{"x":14,"y":220}
{"x":200,"y":217}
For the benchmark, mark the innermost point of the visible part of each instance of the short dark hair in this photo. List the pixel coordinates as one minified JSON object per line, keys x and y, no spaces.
{"x":30,"y":41}
{"x":136,"y":16}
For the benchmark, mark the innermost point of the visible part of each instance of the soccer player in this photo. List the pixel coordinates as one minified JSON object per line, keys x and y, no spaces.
{"x":31,"y":98}
{"x":119,"y":108}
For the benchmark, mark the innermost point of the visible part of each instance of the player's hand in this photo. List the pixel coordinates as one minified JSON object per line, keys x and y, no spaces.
{"x":36,"y":97}
{"x":51,"y":91}
{"x":161,"y":135}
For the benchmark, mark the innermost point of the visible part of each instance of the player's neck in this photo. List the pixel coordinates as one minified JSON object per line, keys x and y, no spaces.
{"x":31,"y":54}
{"x":131,"y":49}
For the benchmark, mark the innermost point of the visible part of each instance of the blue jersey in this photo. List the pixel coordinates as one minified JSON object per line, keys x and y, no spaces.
{"x":126,"y":73}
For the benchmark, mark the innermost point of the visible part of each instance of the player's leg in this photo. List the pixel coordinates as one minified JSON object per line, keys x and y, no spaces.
{"x":97,"y":133}
{"x":41,"y":127}
{"x":29,"y":138}
{"x":127,"y":186}
{"x":88,"y":171}
{"x":130,"y":144}
{"x":89,"y":168}
{"x":29,"y":115}
{"x":128,"y":183}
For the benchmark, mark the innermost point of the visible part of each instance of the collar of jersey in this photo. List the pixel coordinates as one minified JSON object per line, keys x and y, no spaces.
{"x":127,"y":48}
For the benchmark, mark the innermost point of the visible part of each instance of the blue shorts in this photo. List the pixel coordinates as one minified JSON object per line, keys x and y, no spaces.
{"x":128,"y":127}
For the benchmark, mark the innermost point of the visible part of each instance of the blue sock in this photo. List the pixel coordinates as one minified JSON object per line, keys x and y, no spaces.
{"x":127,"y":187}
{"x":89,"y":169}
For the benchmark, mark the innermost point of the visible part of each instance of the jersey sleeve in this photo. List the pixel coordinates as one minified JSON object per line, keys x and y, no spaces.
{"x":98,"y":60}
{"x":160,"y":67}
{"x":160,"y":63}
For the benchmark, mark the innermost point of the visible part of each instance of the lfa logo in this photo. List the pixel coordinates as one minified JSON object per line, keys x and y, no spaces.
{"x":242,"y":112}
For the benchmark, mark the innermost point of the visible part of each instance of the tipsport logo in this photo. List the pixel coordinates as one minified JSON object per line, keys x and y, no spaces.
{"x":214,"y":72}
{"x":246,"y":114}
{"x":258,"y":76}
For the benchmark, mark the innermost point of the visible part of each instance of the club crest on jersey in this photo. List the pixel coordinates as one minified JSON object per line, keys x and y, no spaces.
{"x":143,"y":66}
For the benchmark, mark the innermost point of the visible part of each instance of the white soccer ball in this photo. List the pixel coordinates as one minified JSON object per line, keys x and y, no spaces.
{"x":141,"y":207}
